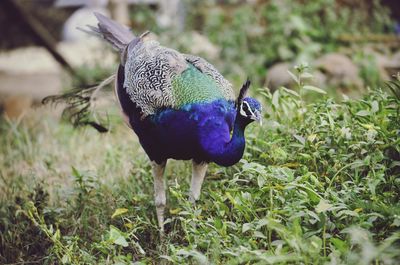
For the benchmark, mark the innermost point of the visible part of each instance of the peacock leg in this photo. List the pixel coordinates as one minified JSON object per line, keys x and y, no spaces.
{"x":198,"y":174}
{"x":159,"y":192}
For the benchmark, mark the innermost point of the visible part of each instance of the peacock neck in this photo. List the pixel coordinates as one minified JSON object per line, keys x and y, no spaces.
{"x":231,"y":152}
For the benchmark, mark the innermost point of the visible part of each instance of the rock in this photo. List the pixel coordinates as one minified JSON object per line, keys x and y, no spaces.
{"x":277,"y":76}
{"x":393,"y":66}
{"x":319,"y":79}
{"x":387,"y":63}
{"x":381,"y":61}
{"x":28,"y":60}
{"x":202,"y":45}
{"x":198,"y":44}
{"x":33,"y":72}
{"x":396,"y":59}
{"x":339,"y":70}
{"x":89,"y":53}
{"x":35,"y":86}
{"x":81,"y":18}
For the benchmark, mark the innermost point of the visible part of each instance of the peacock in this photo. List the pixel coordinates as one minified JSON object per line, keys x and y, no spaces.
{"x":179,"y":106}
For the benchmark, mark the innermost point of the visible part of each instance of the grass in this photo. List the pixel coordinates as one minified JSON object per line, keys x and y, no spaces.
{"x":318,"y":184}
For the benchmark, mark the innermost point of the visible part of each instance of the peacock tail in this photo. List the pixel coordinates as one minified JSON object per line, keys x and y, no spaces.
{"x":157,"y":77}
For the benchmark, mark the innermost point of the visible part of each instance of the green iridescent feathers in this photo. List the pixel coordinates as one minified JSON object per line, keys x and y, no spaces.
{"x":193,"y":86}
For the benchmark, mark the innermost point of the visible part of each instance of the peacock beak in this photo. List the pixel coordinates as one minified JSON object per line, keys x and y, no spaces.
{"x":257,"y":117}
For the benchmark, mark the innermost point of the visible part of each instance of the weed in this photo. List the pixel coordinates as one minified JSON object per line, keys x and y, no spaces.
{"x":318,"y":184}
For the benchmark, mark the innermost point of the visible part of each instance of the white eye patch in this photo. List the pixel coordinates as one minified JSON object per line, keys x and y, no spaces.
{"x":245,"y":110}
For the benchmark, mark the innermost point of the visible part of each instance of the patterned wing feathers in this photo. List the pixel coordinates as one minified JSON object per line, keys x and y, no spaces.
{"x":151,"y":72}
{"x":224,"y":85}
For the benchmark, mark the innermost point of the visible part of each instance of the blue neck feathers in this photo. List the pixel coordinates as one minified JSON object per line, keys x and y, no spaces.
{"x":229,"y":153}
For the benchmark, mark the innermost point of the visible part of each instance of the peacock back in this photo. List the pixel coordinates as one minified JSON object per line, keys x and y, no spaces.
{"x":157,"y":77}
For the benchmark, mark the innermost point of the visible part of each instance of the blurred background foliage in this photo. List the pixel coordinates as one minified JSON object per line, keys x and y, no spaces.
{"x":252,"y":37}
{"x":247,"y":38}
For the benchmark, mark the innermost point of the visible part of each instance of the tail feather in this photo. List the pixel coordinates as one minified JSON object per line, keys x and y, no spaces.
{"x":94,"y":31}
{"x":242,"y":93}
{"x":118,"y":35}
{"x":80,"y":109}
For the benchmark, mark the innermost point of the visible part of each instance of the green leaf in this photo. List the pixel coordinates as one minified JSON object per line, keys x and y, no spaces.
{"x":300,"y":138}
{"x":258,"y":234}
{"x":65,"y":259}
{"x":275,"y":99}
{"x":314,"y":88}
{"x":116,"y":237}
{"x":396,"y":222}
{"x":374,"y":106}
{"x":339,"y":244}
{"x":293,"y":77}
{"x":313,"y":196}
{"x":292,"y":92}
{"x":218,"y":223}
{"x":246,"y":227}
{"x":121,"y":241}
{"x":363,"y":113}
{"x":306,"y":75}
{"x":75,"y":172}
{"x":315,"y":243}
{"x":260,"y":181}
{"x":118,"y":212}
{"x":323,"y":206}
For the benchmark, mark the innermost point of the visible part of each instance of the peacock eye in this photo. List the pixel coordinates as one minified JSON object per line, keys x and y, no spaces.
{"x":245,"y":110}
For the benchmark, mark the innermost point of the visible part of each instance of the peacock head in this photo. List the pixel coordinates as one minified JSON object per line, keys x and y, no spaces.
{"x":248,"y":108}
{"x":251,"y":109}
